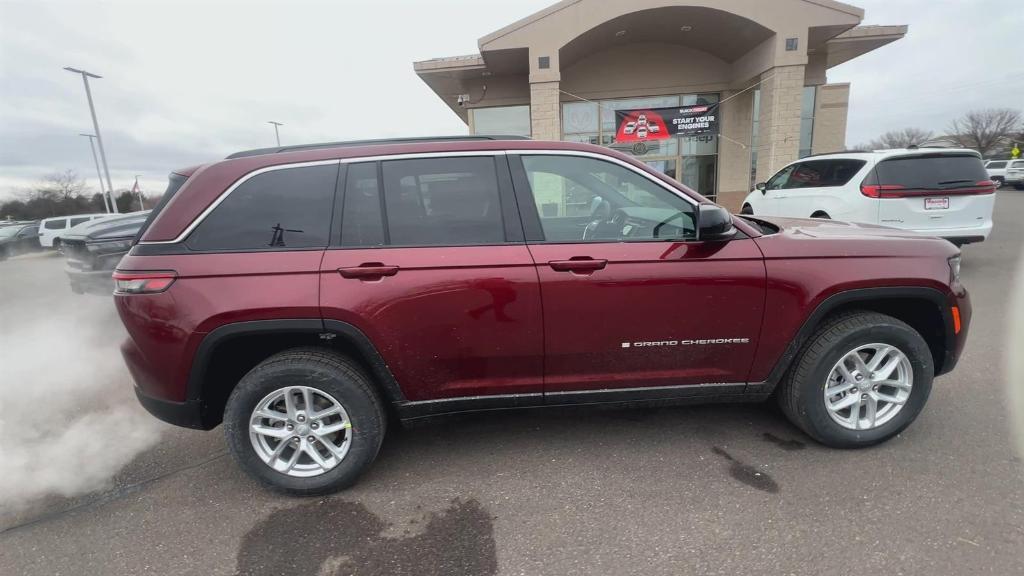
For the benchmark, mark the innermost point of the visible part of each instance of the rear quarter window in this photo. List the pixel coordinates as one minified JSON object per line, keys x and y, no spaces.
{"x":935,"y":171}
{"x":283,"y":209}
{"x":55,"y":224}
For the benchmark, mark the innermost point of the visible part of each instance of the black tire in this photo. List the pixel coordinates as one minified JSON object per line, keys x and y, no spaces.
{"x":747,"y":209}
{"x":801,"y":392}
{"x":821,"y":216}
{"x":329,"y":372}
{"x":999,"y":180}
{"x":1018,"y":186}
{"x":3,"y":253}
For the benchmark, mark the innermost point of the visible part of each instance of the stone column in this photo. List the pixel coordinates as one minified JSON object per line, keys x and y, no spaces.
{"x":545,"y":111}
{"x":778,"y":140}
{"x":734,"y":148}
{"x":831,"y":107}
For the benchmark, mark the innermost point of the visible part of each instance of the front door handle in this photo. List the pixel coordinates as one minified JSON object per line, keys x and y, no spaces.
{"x":578,"y":264}
{"x":368,"y":271}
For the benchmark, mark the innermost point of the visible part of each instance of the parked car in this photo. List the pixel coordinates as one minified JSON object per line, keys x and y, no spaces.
{"x":51,"y":229}
{"x":997,"y":171}
{"x":937,"y":192}
{"x":19,"y":238}
{"x":92,"y":251}
{"x":1015,"y":174}
{"x":302,"y":296}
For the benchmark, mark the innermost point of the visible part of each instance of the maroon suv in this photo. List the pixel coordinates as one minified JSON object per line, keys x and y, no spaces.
{"x":302,"y":296}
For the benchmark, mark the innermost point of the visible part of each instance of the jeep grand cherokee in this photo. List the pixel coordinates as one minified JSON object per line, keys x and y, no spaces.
{"x":303,"y":296}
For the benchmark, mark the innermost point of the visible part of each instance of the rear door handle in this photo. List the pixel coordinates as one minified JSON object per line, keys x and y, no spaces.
{"x":368,"y":271}
{"x":578,"y":264}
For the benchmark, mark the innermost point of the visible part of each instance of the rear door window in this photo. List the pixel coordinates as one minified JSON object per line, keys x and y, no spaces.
{"x":283,"y":209}
{"x":935,"y":172}
{"x":995,"y":165}
{"x":442,"y":202}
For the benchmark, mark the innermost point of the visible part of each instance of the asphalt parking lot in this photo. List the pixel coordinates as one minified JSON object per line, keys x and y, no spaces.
{"x":692,"y":490}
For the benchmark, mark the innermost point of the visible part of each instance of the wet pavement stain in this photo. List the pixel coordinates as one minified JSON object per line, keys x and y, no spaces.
{"x":747,"y":474}
{"x":340,"y":538}
{"x":787,"y":445}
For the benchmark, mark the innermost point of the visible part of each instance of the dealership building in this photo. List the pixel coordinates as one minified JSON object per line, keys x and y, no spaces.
{"x":587,"y":70}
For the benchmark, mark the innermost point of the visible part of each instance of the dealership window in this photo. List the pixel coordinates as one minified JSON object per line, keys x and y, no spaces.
{"x":753,"y":137}
{"x":807,"y":120}
{"x":692,"y":161}
{"x":501,"y":120}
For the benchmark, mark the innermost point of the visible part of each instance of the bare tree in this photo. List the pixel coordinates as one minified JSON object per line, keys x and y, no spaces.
{"x":985,"y":130}
{"x":64,"y":185}
{"x":904,"y":138}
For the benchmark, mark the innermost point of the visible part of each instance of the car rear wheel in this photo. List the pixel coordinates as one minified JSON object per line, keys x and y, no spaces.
{"x":860,"y":380}
{"x":305,"y":421}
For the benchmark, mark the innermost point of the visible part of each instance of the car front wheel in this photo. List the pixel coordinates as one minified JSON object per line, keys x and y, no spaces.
{"x":305,"y":421}
{"x":860,"y":380}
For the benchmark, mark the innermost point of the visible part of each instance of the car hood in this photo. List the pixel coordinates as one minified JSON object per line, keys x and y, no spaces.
{"x":125,"y":226}
{"x":801,"y":237}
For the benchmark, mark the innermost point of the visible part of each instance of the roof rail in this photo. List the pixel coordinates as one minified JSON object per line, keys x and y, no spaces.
{"x":350,"y":143}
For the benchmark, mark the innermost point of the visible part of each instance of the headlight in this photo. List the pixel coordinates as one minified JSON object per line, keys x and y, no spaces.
{"x":110,"y":246}
{"x":954,"y":270}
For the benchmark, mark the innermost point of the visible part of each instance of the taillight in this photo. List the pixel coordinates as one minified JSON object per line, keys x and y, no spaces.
{"x":876,"y":191}
{"x":897,"y":191}
{"x":142,"y":282}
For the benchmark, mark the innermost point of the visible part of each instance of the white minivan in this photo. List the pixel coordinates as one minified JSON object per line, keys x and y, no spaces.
{"x":51,"y":229}
{"x":937,"y":192}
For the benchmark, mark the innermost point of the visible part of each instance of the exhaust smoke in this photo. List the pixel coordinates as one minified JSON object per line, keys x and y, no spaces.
{"x":69,"y":420}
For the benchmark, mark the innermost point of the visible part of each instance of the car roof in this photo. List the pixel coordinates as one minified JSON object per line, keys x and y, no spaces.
{"x":358,"y":143}
{"x":893,"y":153}
{"x":72,"y":216}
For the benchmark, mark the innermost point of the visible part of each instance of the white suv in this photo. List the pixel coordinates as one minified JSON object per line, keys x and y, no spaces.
{"x":938,"y":192}
{"x":52,"y":229}
{"x":1015,"y":174}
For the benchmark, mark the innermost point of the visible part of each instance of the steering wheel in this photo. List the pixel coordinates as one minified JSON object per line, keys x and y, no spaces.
{"x":614,"y":221}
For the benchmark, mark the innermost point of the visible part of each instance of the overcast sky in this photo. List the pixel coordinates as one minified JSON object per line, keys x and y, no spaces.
{"x":185,"y":82}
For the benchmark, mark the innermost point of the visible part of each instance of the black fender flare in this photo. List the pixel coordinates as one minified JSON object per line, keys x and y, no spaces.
{"x":326,"y":329}
{"x":835,"y":301}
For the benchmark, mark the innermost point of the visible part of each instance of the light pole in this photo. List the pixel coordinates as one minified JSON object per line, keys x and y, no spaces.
{"x":106,"y":205}
{"x":142,"y":205}
{"x":276,"y":133}
{"x":96,"y":129}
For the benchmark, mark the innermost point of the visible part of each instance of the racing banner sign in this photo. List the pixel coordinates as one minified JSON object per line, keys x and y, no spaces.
{"x":639,"y":125}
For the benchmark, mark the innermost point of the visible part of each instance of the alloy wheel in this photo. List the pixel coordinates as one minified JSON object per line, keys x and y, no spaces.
{"x":869,"y":386}
{"x":300,"y":431}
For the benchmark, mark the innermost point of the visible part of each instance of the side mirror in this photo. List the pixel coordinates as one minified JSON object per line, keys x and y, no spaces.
{"x":714,"y":223}
{"x":762,"y":187}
